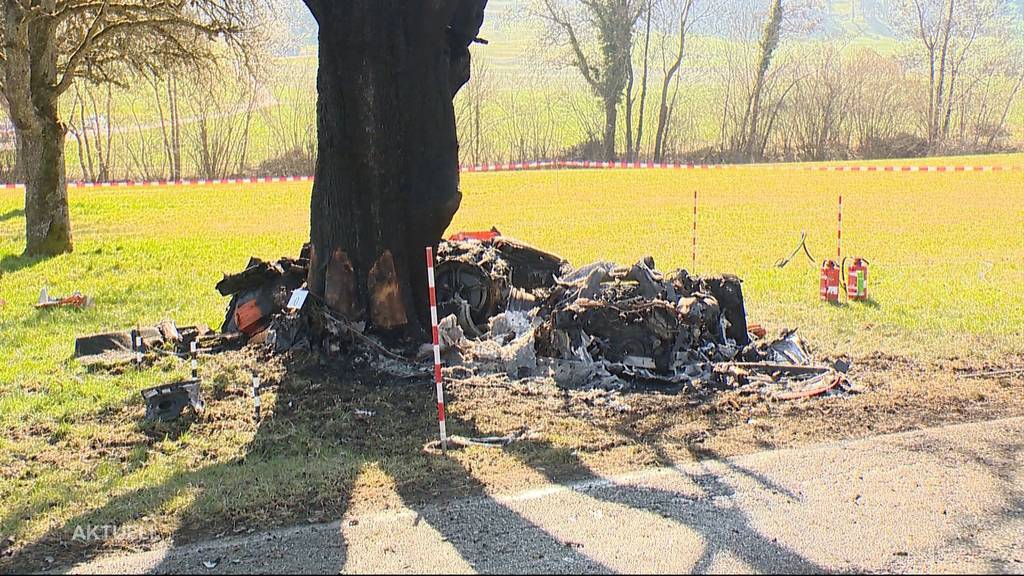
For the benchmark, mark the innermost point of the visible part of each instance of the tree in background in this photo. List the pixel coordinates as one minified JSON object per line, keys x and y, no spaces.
{"x":751,"y":125}
{"x":678,"y":19}
{"x":50,"y":44}
{"x":599,"y":34}
{"x":634,"y":147}
{"x":474,"y":132}
{"x":948,"y":33}
{"x":387,"y":172}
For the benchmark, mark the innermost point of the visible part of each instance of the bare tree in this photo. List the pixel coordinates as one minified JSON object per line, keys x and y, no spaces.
{"x":587,"y":117}
{"x":599,"y":35}
{"x":472,"y":127}
{"x":91,"y":124}
{"x":820,"y":105}
{"x":528,"y":126}
{"x":757,"y":75}
{"x":678,"y":19}
{"x":880,"y":109}
{"x":145,"y":147}
{"x":766,"y":51}
{"x":633,"y":147}
{"x":220,"y":119}
{"x":167,"y":101}
{"x":991,"y":83}
{"x":292,"y":120}
{"x":48,"y":44}
{"x":947,"y":32}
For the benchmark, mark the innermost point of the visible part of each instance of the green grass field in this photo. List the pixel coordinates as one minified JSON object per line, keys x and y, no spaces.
{"x":946,"y":257}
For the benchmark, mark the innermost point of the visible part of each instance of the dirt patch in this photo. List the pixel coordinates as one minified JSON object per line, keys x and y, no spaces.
{"x":617,"y":432}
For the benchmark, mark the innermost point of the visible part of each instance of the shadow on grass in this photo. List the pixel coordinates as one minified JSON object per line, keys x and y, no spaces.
{"x":12,"y":214}
{"x":392,"y":440}
{"x":13,"y":263}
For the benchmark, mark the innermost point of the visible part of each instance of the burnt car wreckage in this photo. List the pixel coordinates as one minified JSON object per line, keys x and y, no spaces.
{"x":507,"y":306}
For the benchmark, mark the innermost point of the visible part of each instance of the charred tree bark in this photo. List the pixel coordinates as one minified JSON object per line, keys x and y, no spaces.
{"x":387,"y":180}
{"x":30,"y":88}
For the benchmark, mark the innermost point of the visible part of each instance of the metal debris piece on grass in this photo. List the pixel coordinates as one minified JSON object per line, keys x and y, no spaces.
{"x":164,"y":339}
{"x":456,"y":441}
{"x":76,"y":300}
{"x":166,"y":403}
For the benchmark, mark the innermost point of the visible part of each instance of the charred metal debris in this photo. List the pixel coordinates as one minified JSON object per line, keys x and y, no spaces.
{"x":526,"y":311}
{"x":509,"y":307}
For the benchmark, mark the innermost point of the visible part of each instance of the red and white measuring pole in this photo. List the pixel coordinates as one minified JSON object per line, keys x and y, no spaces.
{"x":693,"y":270}
{"x":194,"y":354}
{"x":839,"y":233}
{"x":438,"y":381}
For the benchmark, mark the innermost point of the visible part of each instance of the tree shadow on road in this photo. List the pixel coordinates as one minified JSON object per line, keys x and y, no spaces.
{"x":725,"y":528}
{"x":1002,"y":460}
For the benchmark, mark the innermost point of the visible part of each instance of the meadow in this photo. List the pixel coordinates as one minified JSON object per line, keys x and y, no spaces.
{"x":945,"y":251}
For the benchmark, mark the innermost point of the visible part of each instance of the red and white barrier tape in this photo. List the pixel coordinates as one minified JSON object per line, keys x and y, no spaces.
{"x":571,"y":164}
{"x":171,"y":183}
{"x":438,"y":381}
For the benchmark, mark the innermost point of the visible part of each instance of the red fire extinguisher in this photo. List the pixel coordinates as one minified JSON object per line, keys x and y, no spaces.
{"x":830,"y":281}
{"x":857,"y":280}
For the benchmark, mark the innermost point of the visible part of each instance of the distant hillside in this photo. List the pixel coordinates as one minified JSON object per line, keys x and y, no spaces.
{"x":854,"y":17}
{"x":844,"y":17}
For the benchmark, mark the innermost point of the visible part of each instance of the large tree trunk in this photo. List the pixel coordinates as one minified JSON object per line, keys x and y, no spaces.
{"x":47,"y":221}
{"x":387,"y":180}
{"x":30,"y":69}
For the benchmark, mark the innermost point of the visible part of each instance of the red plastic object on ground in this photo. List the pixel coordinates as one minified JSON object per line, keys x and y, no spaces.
{"x":830,"y":281}
{"x":249,"y":318}
{"x":485,"y":236}
{"x":857,"y":280}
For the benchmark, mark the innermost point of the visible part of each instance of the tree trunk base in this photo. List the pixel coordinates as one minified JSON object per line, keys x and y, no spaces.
{"x":387,"y":180}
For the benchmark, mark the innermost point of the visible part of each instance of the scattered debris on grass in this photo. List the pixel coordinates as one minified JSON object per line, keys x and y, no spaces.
{"x":456,"y":441}
{"x":111,"y":349}
{"x":510,"y":308}
{"x":166,"y":403}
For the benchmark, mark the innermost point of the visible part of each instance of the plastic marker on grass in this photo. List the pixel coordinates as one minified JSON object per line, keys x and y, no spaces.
{"x":256,"y":396}
{"x":438,"y":381}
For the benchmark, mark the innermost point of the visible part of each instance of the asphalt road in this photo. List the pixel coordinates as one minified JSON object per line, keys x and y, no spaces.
{"x":940,"y":500}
